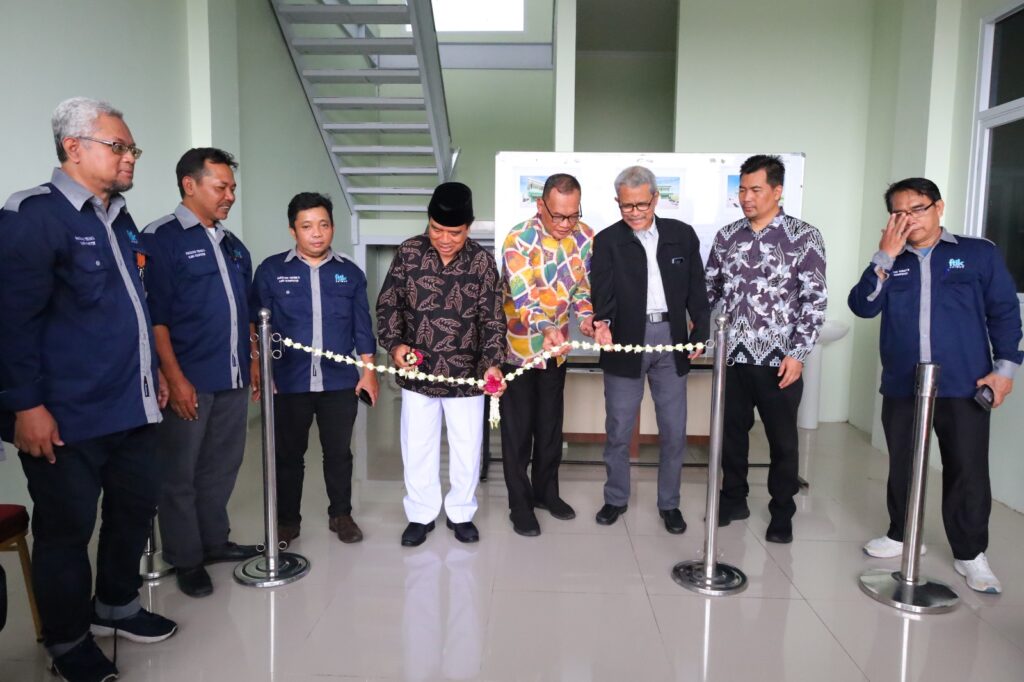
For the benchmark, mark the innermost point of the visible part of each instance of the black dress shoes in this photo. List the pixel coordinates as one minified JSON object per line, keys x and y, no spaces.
{"x":609,"y":514}
{"x":230,"y":551}
{"x":729,"y":513}
{"x":781,"y":533}
{"x":525,"y":523}
{"x":194,"y":581}
{"x":558,"y":508}
{"x":673,"y":519}
{"x":464,"y":532}
{"x":416,"y":533}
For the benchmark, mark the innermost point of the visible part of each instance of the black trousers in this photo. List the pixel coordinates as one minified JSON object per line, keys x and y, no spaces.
{"x":125,"y":468}
{"x":531,"y":428}
{"x":335,"y":413}
{"x":962,"y":428}
{"x":747,"y":387}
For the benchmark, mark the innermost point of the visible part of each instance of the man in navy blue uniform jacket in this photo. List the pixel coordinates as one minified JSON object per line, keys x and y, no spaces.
{"x":78,"y":370}
{"x":198,"y":296}
{"x":947,"y":300}
{"x":317,"y":297}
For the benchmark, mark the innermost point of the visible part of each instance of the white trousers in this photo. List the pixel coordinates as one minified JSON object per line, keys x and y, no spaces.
{"x":421,"y":455}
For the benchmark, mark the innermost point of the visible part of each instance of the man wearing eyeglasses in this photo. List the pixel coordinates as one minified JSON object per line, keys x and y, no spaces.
{"x":546,"y":267}
{"x":199,"y":287}
{"x":647,"y":279}
{"x":78,"y":370}
{"x":948,"y":300}
{"x":766,"y":271}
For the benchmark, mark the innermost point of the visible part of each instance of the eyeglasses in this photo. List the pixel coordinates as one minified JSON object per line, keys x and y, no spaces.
{"x":119,"y":148}
{"x":570,"y":220}
{"x":640,"y":206}
{"x":916,"y":210}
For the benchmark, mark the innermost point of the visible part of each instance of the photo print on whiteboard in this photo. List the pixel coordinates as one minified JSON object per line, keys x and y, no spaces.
{"x":531,"y":188}
{"x":668,"y":188}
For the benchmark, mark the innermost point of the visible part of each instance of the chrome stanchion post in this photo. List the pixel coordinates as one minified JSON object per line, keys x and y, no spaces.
{"x":906,"y":589}
{"x":152,"y":565}
{"x":273,"y":567}
{"x":710,"y":576}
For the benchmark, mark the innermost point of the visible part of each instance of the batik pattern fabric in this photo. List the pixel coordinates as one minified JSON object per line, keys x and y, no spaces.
{"x":772,"y":285}
{"x":450,"y":313}
{"x":544,"y":278}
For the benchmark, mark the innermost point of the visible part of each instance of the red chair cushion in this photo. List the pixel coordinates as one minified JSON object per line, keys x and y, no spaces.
{"x":13,"y":521}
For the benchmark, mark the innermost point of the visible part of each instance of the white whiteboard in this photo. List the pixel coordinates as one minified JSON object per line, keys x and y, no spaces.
{"x":699,"y":189}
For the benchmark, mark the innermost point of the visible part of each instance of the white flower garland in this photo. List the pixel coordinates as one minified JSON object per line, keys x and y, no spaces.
{"x":539,"y":360}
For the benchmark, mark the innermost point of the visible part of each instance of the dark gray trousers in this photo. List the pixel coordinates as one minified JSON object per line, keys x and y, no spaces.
{"x":622,"y":398}
{"x":199,"y":464}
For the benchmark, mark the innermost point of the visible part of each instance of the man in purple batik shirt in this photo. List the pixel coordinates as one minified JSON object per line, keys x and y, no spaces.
{"x":767,"y":272}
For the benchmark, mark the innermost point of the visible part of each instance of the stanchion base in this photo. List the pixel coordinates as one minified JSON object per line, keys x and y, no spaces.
{"x":254,"y":572}
{"x":928,"y":596}
{"x":153,"y":567}
{"x":727,"y":579}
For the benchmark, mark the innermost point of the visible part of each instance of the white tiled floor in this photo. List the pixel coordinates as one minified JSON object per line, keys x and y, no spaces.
{"x":580,"y":602}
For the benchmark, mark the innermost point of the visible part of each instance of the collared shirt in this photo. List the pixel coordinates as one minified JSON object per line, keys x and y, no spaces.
{"x":954,"y":304}
{"x":199,"y":289}
{"x":771,"y":283}
{"x":450,"y":313}
{"x":656,"y":302}
{"x":543,"y":278}
{"x":75,"y":335}
{"x":322,"y":305}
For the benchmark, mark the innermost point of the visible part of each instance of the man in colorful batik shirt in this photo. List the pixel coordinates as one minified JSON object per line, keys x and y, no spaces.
{"x":546,"y":266}
{"x":767,"y":272}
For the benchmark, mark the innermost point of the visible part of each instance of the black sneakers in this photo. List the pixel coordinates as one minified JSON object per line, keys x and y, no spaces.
{"x":84,"y":663}
{"x":145,"y":627}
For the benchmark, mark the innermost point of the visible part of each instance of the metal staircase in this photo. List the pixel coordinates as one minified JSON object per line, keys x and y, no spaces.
{"x":377,"y":95}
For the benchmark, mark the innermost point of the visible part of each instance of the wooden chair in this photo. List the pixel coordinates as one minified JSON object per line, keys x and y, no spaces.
{"x":13,"y":531}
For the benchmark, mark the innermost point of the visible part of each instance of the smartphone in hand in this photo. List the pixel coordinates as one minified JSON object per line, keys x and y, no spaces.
{"x":364,"y":395}
{"x":984,"y":397}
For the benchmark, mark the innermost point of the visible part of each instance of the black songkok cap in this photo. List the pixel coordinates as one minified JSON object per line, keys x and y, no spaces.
{"x":451,"y":205}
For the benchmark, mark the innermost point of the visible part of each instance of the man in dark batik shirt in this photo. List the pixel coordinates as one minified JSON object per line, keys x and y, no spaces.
{"x":441,"y":300}
{"x":767,"y":272}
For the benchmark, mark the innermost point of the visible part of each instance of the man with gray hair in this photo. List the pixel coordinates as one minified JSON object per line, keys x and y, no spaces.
{"x":646,"y":278}
{"x":78,"y":370}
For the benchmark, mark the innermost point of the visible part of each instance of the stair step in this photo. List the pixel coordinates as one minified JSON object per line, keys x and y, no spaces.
{"x":381,"y":149}
{"x":376,"y":127}
{"x":393,"y":208}
{"x":362,"y":75}
{"x":407,"y":191}
{"x":354,"y":45}
{"x":344,"y":14}
{"x":387,"y":170}
{"x":379,"y":103}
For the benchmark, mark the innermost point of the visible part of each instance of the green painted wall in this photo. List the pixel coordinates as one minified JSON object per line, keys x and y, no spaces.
{"x":788,"y":76}
{"x":624,"y":101}
{"x":281,"y":149}
{"x":128,"y":52}
{"x":492,"y":111}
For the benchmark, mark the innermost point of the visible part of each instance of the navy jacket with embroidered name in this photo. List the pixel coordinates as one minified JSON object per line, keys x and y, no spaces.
{"x":75,"y":335}
{"x":324,"y":307}
{"x":975,"y":316}
{"x":188,"y":293}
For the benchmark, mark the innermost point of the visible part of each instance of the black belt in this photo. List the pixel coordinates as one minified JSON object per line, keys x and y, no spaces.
{"x":657,"y":317}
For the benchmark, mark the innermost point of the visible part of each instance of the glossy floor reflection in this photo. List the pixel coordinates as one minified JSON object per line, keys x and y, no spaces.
{"x":580,"y":602}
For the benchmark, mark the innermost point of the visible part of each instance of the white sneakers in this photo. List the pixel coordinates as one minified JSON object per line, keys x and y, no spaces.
{"x":978,"y":574}
{"x":887,"y":548}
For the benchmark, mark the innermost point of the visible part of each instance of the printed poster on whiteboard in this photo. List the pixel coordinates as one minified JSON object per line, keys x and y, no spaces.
{"x":699,"y":189}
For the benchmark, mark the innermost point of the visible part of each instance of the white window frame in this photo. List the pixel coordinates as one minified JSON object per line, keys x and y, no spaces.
{"x":985,"y":119}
